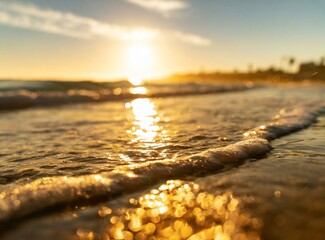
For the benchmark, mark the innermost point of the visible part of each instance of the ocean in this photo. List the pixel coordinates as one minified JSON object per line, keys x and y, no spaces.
{"x":91,"y":160}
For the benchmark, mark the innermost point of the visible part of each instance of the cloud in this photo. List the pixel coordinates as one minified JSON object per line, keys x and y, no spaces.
{"x":192,"y":38}
{"x":162,"y":6}
{"x":68,"y":24}
{"x":31,"y":17}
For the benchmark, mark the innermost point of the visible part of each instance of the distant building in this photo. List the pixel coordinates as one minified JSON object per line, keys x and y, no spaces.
{"x":311,"y":70}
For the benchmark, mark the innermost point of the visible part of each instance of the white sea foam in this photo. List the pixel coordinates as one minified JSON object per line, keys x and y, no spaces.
{"x":44,"y":193}
{"x":48,"y":192}
{"x":288,"y":121}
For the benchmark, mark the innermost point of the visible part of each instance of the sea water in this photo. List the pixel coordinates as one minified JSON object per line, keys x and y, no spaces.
{"x":105,"y":161}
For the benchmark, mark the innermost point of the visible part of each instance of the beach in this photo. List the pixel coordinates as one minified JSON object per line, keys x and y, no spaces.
{"x":191,"y":161}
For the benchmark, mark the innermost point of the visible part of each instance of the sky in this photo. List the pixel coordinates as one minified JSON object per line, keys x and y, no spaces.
{"x":110,"y":39}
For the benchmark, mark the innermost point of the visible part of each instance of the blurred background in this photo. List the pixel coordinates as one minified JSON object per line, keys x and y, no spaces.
{"x":150,"y":39}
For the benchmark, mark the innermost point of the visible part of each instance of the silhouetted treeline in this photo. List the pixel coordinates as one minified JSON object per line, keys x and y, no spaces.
{"x":306,"y":71}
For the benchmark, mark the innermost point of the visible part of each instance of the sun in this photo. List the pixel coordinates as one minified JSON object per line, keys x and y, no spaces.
{"x":140,"y":55}
{"x":140,"y":59}
{"x":135,"y":80}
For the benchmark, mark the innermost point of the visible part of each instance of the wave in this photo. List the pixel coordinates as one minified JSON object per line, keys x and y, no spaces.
{"x":25,"y":94}
{"x":58,"y":86}
{"x":48,"y":192}
{"x":288,"y":121}
{"x":20,"y":201}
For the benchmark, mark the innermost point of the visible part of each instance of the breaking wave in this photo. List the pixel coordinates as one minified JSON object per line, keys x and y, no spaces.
{"x":27,"y":94}
{"x":23,"y":200}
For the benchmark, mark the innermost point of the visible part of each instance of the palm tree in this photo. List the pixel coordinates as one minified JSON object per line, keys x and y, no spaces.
{"x":291,"y":62}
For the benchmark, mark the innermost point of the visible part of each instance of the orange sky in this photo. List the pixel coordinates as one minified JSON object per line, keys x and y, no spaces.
{"x":153,"y":38}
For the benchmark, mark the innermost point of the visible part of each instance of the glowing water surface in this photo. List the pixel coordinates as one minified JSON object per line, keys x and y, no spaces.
{"x":179,"y":210}
{"x":251,"y":201}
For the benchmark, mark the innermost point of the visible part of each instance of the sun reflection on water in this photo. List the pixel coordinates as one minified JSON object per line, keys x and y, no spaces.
{"x":181,"y":210}
{"x":146,"y":135}
{"x":145,"y":127}
{"x":138,"y":90}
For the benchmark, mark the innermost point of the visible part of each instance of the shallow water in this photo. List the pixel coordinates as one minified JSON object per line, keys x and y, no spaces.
{"x":280,"y":197}
{"x":91,"y":138}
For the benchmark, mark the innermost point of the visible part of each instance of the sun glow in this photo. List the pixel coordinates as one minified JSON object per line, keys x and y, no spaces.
{"x":138,"y":90}
{"x":145,"y":124}
{"x":140,"y":59}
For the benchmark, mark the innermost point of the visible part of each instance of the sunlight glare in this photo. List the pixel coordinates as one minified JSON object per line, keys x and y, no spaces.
{"x":183,"y":210}
{"x":140,"y":59}
{"x":138,"y":90}
{"x":145,"y":132}
{"x":144,"y":112}
{"x":135,"y":80}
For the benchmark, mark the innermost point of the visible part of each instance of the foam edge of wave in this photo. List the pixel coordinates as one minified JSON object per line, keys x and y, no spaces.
{"x":51,"y":191}
{"x":287,"y":122}
{"x":44,"y":193}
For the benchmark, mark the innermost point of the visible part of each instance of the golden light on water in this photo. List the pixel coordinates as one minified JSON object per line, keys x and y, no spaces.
{"x":138,"y":90}
{"x":145,"y":119}
{"x":146,"y":134}
{"x":140,"y":58}
{"x":181,"y":210}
